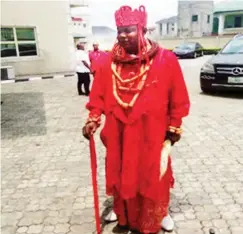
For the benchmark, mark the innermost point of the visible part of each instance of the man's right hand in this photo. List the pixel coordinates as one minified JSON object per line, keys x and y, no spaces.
{"x":89,"y":129}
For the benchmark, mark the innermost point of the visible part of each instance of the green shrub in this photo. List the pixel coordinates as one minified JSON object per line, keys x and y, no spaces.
{"x":211,"y":51}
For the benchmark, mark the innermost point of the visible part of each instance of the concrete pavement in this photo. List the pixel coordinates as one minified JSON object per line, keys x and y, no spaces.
{"x":46,"y":180}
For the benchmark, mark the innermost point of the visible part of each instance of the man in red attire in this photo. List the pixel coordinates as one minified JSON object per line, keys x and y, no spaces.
{"x":95,"y":56}
{"x":141,"y":91}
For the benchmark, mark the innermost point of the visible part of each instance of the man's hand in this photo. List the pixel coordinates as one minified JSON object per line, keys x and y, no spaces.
{"x":173,"y":137}
{"x":93,"y":73}
{"x":89,"y":129}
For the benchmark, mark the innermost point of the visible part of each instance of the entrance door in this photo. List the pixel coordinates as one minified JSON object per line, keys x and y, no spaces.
{"x":215,"y":25}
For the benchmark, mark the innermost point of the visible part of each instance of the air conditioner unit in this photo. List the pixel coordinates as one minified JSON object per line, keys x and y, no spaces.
{"x":7,"y":73}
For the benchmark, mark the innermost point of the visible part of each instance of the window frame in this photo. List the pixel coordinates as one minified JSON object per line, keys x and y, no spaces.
{"x":16,"y":43}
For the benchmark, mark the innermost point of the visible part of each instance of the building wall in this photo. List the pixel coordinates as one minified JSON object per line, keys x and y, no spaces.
{"x":186,"y":10}
{"x":206,"y":42}
{"x":82,"y":31}
{"x":53,"y":35}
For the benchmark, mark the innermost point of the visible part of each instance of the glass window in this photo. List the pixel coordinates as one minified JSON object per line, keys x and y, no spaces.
{"x":238,"y":21}
{"x":234,"y":47}
{"x":233,"y":21}
{"x":167,"y":27}
{"x":208,"y":19}
{"x":7,"y":34}
{"x":25,"y":34}
{"x":18,"y":42}
{"x":161,"y":28}
{"x":8,"y":50}
{"x":194,"y":18}
{"x":187,"y":46}
{"x":27,"y":50}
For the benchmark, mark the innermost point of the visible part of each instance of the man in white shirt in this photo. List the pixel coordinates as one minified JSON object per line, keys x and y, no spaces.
{"x":83,"y":70}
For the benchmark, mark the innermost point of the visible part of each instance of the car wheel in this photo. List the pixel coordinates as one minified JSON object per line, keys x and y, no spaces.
{"x":195,"y":55}
{"x":202,"y":53}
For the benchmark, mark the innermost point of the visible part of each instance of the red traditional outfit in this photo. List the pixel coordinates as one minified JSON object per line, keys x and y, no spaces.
{"x":140,"y":97}
{"x":95,"y":56}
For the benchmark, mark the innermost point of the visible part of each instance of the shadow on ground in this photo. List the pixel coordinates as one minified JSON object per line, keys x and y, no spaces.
{"x":23,"y":114}
{"x":225,"y":94}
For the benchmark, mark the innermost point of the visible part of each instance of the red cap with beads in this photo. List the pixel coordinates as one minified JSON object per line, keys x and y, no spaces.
{"x":126,"y":16}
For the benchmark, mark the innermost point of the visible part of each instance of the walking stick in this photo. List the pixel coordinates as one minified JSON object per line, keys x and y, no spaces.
{"x":94,"y":182}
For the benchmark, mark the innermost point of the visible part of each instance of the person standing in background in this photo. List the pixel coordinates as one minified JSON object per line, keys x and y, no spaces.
{"x":94,"y":57}
{"x":83,"y":69}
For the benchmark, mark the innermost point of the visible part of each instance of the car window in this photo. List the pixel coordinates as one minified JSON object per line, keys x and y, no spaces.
{"x":233,"y":47}
{"x":187,"y":46}
{"x":200,"y":46}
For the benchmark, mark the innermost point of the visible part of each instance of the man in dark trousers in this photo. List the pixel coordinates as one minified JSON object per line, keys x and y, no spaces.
{"x":83,"y":70}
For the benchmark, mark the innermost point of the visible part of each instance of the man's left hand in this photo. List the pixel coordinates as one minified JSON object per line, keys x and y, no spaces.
{"x":173,"y":137}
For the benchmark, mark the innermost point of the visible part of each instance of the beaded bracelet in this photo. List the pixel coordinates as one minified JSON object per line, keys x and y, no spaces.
{"x":175,"y":130}
{"x":94,"y":118}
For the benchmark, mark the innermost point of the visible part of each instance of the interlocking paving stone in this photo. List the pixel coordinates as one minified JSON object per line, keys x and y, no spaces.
{"x":46,"y":178}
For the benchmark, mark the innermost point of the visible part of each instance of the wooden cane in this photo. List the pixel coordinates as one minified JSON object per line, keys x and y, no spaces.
{"x":93,"y":161}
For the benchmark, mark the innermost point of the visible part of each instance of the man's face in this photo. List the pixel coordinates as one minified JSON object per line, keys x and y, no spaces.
{"x":128,"y":38}
{"x":96,"y":47}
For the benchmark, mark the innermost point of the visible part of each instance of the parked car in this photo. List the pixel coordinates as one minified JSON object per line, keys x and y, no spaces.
{"x":188,"y":50}
{"x":224,"y":71}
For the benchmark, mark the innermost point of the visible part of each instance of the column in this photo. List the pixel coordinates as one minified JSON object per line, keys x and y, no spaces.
{"x":221,"y":24}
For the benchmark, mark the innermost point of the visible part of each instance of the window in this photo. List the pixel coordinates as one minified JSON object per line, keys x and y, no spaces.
{"x":198,"y":46}
{"x":161,"y":29}
{"x":233,"y":21}
{"x":208,"y":19}
{"x":167,"y":28}
{"x":238,"y":21}
{"x":84,"y":25}
{"x":18,"y":42}
{"x":194,"y":18}
{"x":233,"y":47}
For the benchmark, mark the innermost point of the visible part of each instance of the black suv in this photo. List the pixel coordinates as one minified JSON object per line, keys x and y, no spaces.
{"x":224,"y":71}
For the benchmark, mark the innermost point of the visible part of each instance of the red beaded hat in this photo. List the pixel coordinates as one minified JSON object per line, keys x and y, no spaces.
{"x":126,"y":16}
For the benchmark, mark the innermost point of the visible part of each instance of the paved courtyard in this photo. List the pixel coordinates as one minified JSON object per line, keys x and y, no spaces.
{"x":46,"y":178}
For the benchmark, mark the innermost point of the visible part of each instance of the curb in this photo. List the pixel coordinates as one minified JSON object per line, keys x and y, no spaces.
{"x":36,"y":78}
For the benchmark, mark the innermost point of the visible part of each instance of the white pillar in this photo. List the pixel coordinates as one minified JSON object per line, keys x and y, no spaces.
{"x":221,"y":24}
{"x":164,"y":29}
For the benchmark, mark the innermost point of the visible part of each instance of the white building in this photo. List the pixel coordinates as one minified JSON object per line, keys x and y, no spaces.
{"x":195,"y":18}
{"x":81,"y":21}
{"x":228,"y":17}
{"x":167,"y":27}
{"x":37,"y":37}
